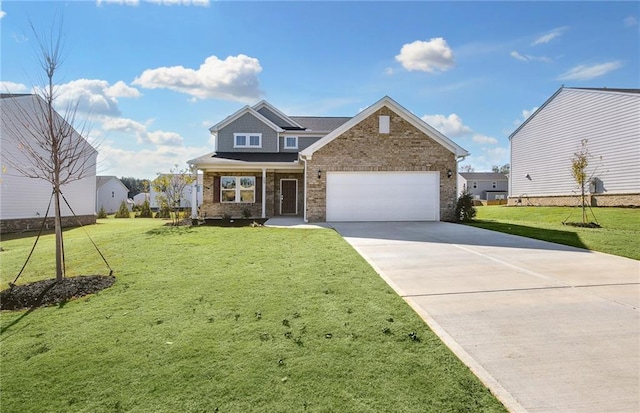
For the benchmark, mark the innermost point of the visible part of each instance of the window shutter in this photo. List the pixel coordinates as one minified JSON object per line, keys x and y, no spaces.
{"x":258,"y":189}
{"x":216,"y":189}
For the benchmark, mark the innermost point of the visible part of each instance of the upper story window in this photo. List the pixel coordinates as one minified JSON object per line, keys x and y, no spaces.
{"x":291,"y":142}
{"x":247,"y":140}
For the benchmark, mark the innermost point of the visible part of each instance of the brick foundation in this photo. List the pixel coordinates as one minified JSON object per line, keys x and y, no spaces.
{"x":34,"y":224}
{"x":596,"y":200}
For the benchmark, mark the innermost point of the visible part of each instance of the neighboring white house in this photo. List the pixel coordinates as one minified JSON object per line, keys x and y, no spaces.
{"x":186,"y":200}
{"x":138,"y":199}
{"x":542,"y":148}
{"x":23,"y":200}
{"x":487,"y":186}
{"x":110,"y":192}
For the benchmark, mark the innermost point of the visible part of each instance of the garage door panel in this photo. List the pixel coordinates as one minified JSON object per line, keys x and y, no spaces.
{"x":382,"y":196}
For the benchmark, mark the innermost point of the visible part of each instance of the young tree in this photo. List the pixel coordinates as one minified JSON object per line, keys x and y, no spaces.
{"x":579,"y":164}
{"x":467,"y":168}
{"x":123,"y":211}
{"x":171,"y":187}
{"x":48,"y":146}
{"x":504,"y":169}
{"x":465,"y":211}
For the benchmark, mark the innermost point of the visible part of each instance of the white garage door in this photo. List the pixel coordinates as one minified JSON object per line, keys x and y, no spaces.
{"x":383,"y":196}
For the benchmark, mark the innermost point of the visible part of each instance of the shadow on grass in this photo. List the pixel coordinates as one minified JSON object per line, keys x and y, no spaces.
{"x":552,"y":235}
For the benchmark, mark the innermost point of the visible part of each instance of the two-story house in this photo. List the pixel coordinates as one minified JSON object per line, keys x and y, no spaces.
{"x":487,"y":186}
{"x":384,"y":164}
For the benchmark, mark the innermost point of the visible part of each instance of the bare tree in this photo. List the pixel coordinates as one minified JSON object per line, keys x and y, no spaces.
{"x":466,"y":168}
{"x":504,"y":169}
{"x":47,"y":146}
{"x":171,"y":188}
{"x":579,"y":164}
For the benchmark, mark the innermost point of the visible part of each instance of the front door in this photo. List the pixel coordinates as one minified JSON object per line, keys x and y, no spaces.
{"x":288,"y":196}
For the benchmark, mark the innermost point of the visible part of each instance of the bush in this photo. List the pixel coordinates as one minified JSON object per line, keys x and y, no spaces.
{"x":465,"y":211}
{"x":102,"y":213}
{"x":123,"y":211}
{"x":164,"y":212}
{"x":145,"y":210}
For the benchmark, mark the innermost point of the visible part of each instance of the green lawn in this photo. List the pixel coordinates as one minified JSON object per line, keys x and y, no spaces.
{"x":619,"y":234}
{"x":223,"y":319}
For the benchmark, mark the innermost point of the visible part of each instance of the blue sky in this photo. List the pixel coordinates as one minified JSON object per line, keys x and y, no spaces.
{"x":153,"y":76}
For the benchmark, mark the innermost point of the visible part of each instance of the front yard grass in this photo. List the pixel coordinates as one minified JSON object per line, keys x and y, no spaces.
{"x":618,"y":236}
{"x":223,"y":320}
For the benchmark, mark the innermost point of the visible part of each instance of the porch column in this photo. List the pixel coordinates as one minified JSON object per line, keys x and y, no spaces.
{"x":264,"y":192}
{"x":194,"y":198}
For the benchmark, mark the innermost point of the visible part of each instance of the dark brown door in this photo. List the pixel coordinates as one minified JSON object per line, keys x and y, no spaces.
{"x":288,"y":196}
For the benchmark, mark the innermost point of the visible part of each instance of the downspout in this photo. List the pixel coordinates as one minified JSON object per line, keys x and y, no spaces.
{"x":304,"y":212}
{"x":194,"y":194}
{"x":264,"y":192}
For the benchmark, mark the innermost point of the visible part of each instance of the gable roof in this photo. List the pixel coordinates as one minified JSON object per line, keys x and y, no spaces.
{"x":241,"y":112}
{"x":287,"y":120}
{"x":320,"y":123}
{"x":103,"y":179}
{"x":397,"y":108}
{"x":479,"y":176}
{"x":579,"y":89}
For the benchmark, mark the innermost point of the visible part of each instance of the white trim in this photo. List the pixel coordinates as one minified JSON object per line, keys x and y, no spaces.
{"x":264,"y":192}
{"x":281,"y":197}
{"x":384,"y":124}
{"x":304,"y":195}
{"x":404,"y":113}
{"x":248,"y":136}
{"x":290,"y":147}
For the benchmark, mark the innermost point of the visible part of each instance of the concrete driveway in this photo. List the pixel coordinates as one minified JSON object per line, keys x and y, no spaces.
{"x":548,"y":328}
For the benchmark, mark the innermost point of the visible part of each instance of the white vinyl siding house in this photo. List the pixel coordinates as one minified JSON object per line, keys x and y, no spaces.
{"x":23,"y":200}
{"x":542,"y":148}
{"x":110,"y":192}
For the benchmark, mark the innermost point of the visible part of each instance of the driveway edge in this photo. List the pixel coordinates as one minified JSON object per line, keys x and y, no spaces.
{"x":487,"y":379}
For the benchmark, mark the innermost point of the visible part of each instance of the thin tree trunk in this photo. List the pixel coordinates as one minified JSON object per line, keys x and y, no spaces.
{"x":59,"y":245}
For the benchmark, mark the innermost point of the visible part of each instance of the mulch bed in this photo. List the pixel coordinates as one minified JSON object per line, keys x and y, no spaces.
{"x":50,"y":292}
{"x":582,"y":224}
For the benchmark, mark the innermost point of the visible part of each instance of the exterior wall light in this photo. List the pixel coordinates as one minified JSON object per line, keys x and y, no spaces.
{"x":449,"y":173}
{"x":319,"y":174}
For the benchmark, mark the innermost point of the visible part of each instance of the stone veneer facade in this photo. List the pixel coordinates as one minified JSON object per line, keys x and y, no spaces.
{"x":34,"y":224}
{"x":363,"y":148}
{"x":211,"y":209}
{"x":599,"y":200}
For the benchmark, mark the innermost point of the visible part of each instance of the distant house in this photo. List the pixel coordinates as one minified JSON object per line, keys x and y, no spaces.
{"x":110,"y":192}
{"x":543,"y":146}
{"x":139,"y":199}
{"x":24,"y":201}
{"x":186,"y":200}
{"x":486,"y":186}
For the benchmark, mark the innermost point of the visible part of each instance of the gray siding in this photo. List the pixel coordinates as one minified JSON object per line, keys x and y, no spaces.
{"x":482,"y":186}
{"x":275,"y":118}
{"x":543,"y":147}
{"x":303,"y":143}
{"x":250,"y":124}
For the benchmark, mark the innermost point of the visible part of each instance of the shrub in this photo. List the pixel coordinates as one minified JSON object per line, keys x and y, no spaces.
{"x":102,"y":213}
{"x":123,"y":211}
{"x":145,"y":210}
{"x":164,"y":212}
{"x":246,"y":213}
{"x":465,"y":211}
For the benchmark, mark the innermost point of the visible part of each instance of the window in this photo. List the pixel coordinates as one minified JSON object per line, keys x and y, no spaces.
{"x":113,"y":194}
{"x":247,"y":140}
{"x":291,"y":142}
{"x":238,"y":189}
{"x":383,"y":124}
{"x":499,"y":197}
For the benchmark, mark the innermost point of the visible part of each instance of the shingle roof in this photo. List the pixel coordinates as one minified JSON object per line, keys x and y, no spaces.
{"x":479,"y":176}
{"x":103,"y":179}
{"x":258,"y":157}
{"x":318,"y":123}
{"x":607,"y":89}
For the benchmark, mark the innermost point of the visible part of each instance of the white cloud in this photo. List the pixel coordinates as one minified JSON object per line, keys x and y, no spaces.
{"x":529,"y":58}
{"x":587,"y":72}
{"x":388,"y":71}
{"x":426,"y":56}
{"x":525,"y":115}
{"x":2,"y":14}
{"x":484,"y":140}
{"x":12,"y":87}
{"x":118,"y":2}
{"x":93,"y":97}
{"x":630,"y":21}
{"x":451,"y":126}
{"x":547,"y":37}
{"x":487,"y":157}
{"x":144,"y":163}
{"x":235,"y":78}
{"x":160,"y":138}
